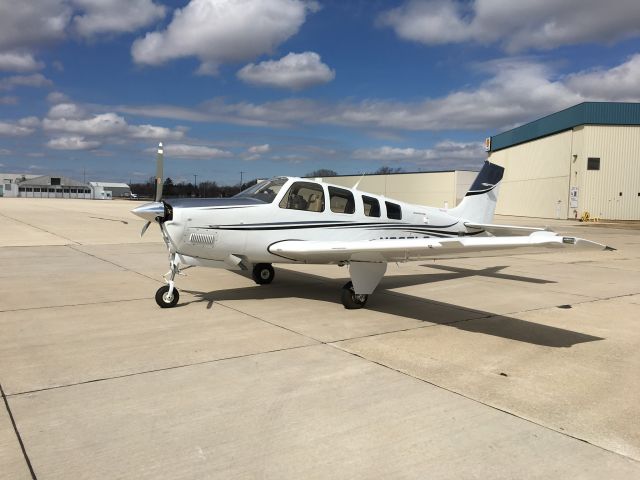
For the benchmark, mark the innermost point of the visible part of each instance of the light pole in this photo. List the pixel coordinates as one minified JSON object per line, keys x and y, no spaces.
{"x":195,"y":182}
{"x":241,"y":173}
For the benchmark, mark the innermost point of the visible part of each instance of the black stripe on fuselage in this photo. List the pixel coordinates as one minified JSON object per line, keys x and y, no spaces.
{"x":315,"y":225}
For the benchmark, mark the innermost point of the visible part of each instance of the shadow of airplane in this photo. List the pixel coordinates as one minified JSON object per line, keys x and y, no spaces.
{"x":487,"y":272}
{"x":292,"y":284}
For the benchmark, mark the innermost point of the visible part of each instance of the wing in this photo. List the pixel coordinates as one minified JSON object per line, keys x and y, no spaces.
{"x":398,"y":250}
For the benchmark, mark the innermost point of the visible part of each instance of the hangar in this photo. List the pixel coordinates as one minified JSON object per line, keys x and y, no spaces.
{"x":585,"y":159}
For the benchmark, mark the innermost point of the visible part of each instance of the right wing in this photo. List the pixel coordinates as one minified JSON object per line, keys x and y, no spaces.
{"x":405,"y":249}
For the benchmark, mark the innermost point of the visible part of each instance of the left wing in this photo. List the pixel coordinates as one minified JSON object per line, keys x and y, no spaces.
{"x":395,"y":250}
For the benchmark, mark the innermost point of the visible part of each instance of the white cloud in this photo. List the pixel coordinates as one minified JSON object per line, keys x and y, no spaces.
{"x":34,"y":80}
{"x":543,"y":24}
{"x":66,"y":110}
{"x":259,"y":149}
{"x":19,"y":62}
{"x":17,"y":129}
{"x":442,"y":152}
{"x":30,"y":122}
{"x":520,"y":90}
{"x":57,"y":97}
{"x":218,"y":31}
{"x":295,"y":71}
{"x":8,"y":100}
{"x":33,"y":23}
{"x":73,"y":142}
{"x":620,"y":83}
{"x":179,"y":150}
{"x":102,"y":124}
{"x":4,"y":151}
{"x":154,"y":133}
{"x":115,"y":16}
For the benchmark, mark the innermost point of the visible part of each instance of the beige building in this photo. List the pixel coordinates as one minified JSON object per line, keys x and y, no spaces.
{"x":583,"y":159}
{"x":436,"y":189}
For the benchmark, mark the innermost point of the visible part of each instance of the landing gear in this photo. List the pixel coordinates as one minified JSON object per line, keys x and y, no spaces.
{"x":166,"y":300}
{"x":167,"y":296}
{"x":263,"y":273}
{"x":350,"y":299}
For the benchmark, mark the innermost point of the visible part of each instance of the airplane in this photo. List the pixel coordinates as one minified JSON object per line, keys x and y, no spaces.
{"x":307,"y":221}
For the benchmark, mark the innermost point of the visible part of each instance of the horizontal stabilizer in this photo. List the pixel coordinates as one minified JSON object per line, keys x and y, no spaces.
{"x":504,"y":230}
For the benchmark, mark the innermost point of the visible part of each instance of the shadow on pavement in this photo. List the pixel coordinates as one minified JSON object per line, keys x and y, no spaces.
{"x":290,"y":284}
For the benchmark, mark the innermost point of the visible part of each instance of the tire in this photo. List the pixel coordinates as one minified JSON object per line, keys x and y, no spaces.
{"x":161,"y":297}
{"x":350,"y":300}
{"x":263,"y":273}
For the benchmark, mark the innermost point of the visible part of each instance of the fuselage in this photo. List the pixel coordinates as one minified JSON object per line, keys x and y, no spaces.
{"x":246,"y":226}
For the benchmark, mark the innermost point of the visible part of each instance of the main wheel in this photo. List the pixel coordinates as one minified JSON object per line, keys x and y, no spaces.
{"x":350,"y":299}
{"x":263,"y":273}
{"x":164,"y":300}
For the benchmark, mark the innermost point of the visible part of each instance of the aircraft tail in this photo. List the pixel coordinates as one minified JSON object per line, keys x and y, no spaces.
{"x":479,"y":204}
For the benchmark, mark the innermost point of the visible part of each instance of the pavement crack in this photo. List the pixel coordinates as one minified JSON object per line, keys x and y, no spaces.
{"x":17,"y":432}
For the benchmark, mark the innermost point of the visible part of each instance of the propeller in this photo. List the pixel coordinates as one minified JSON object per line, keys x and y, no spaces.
{"x":154,"y":212}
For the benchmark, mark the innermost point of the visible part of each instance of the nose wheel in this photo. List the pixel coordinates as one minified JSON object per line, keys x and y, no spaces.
{"x":263,"y":273}
{"x":165,"y":299}
{"x":350,"y":299}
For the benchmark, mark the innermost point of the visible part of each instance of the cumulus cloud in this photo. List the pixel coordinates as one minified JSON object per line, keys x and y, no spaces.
{"x":617,"y":84}
{"x":259,"y":149}
{"x":295,"y":71}
{"x":73,"y":142}
{"x":35,"y":80}
{"x":8,"y":100}
{"x":179,"y":150}
{"x":153,"y":132}
{"x":445,"y":151}
{"x":218,"y":31}
{"x":102,"y":124}
{"x":57,"y":97}
{"x":21,"y":128}
{"x":66,"y":110}
{"x":19,"y":62}
{"x":518,"y":91}
{"x":115,"y":16}
{"x":517,"y":26}
{"x":33,"y":23}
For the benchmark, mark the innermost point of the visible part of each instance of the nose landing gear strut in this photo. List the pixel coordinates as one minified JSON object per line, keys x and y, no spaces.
{"x":168,"y":295}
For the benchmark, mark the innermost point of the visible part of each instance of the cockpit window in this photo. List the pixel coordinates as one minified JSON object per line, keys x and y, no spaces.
{"x":266,"y":190}
{"x":304,"y":196}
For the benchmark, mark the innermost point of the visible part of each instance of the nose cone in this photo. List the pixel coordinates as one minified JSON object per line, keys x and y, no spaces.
{"x":150,"y":211}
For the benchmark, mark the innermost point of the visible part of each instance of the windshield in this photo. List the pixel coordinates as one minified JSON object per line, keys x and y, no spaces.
{"x":265,"y":191}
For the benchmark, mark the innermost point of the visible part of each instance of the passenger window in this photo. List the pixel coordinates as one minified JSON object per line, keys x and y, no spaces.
{"x":371,"y":206}
{"x":304,"y":196}
{"x":393,"y":211}
{"x":341,"y":201}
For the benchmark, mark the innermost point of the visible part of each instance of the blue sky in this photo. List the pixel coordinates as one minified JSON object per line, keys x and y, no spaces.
{"x":284,"y":87}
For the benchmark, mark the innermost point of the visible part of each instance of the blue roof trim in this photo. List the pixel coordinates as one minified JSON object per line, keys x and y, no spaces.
{"x":587,"y":113}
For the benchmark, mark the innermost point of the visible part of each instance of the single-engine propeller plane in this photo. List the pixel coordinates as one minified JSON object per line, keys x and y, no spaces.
{"x":300,"y":220}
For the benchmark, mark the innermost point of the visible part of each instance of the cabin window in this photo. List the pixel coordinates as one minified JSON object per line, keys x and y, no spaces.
{"x":304,"y":196}
{"x":341,"y":201}
{"x":593,"y":163}
{"x":371,"y":206}
{"x":393,"y":210}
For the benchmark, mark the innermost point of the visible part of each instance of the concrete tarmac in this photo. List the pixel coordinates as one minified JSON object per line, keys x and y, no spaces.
{"x":509,"y":366}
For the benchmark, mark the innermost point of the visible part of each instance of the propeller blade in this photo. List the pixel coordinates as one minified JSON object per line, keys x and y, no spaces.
{"x":159,"y":172}
{"x":144,"y":229}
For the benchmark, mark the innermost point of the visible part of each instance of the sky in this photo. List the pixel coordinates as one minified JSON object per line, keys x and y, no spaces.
{"x":285,"y":87}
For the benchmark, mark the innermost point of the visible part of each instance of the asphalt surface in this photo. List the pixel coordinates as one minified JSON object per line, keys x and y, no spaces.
{"x":514,"y":366}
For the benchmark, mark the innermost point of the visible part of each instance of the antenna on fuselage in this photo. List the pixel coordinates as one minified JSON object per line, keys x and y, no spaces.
{"x":355,"y":187}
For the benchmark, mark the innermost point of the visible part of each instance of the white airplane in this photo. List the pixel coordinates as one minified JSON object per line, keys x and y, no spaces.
{"x":299,"y":220}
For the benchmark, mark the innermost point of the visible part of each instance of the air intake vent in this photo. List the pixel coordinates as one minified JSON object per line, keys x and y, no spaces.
{"x":202,"y":238}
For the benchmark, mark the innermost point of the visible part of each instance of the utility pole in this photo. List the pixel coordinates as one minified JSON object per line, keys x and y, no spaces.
{"x":195,"y":182}
{"x":241,"y":173}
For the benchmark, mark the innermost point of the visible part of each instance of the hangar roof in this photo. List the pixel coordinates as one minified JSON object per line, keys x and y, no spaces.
{"x":59,"y":181}
{"x":586,"y":113}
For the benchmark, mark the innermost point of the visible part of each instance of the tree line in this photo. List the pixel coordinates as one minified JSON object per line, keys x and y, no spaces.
{"x":211,"y":189}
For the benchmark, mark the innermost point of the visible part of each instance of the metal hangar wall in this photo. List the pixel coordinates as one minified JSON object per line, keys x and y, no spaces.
{"x":582,"y":159}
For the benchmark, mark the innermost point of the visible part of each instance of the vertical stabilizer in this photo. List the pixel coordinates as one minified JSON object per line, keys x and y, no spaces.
{"x":479,"y":204}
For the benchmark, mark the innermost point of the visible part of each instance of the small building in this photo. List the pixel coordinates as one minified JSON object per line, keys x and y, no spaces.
{"x":585,"y":159}
{"x":47,"y":186}
{"x":444,"y":189}
{"x":106,"y":190}
{"x":9,"y":183}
